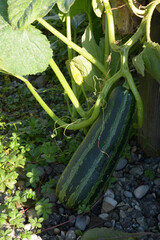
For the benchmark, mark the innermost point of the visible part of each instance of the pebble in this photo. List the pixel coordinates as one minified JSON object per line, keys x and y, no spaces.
{"x":27,"y":226}
{"x":128,"y":194}
{"x":56,"y":231}
{"x":108,"y":205}
{"x":81,"y":222}
{"x":103,"y":216}
{"x":158,"y":217}
{"x":70,"y":235}
{"x":121,"y":164}
{"x":109,"y":193}
{"x":137,"y":170}
{"x":141,"y":191}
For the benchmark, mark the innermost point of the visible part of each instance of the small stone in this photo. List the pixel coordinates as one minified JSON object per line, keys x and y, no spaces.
{"x":141,"y":191}
{"x":103,"y":216}
{"x":158,"y":217}
{"x":122,"y":214}
{"x":157,"y":181}
{"x":140,"y":220}
{"x":108,"y":205}
{"x":27,"y":226}
{"x":35,"y":237}
{"x":63,"y":235}
{"x":70,"y":235}
{"x":31,"y":213}
{"x":137,"y":170}
{"x":81,"y":222}
{"x":109,"y":193}
{"x":56,"y":231}
{"x":121,"y":164}
{"x":128,"y":194}
{"x":61,"y":210}
{"x":72,"y":220}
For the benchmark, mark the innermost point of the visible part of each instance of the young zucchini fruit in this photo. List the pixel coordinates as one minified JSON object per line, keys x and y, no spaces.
{"x":89,"y":170}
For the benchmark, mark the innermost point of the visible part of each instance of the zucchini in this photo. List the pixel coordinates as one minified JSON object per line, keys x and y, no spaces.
{"x":89,"y":170}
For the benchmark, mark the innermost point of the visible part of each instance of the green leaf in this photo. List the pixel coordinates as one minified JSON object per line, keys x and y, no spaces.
{"x":139,"y":64}
{"x":106,"y":234}
{"x":81,"y":6}
{"x":24,"y":52}
{"x":3,"y":13}
{"x":151,"y":58}
{"x":89,"y":43}
{"x":98,"y":7}
{"x":23,"y":12}
{"x":64,"y":5}
{"x":89,"y":73}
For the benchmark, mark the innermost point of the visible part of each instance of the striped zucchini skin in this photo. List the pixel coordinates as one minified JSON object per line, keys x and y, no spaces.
{"x":89,"y":170}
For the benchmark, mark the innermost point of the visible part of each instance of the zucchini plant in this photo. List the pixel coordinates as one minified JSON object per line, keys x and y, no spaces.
{"x":95,"y":66}
{"x":104,"y":58}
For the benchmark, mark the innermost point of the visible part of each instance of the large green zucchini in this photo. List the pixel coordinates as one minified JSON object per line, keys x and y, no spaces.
{"x":89,"y":170}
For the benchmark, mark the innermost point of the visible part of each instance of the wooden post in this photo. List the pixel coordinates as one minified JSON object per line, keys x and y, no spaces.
{"x":150,"y":93}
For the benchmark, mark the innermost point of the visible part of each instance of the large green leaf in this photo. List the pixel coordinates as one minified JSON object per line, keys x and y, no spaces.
{"x":23,"y":12}
{"x":64,"y":5}
{"x":3,"y":10}
{"x":106,"y":234}
{"x":149,"y":59}
{"x":23,"y":52}
{"x":81,"y":6}
{"x":91,"y":75}
{"x":89,"y":43}
{"x":98,"y":7}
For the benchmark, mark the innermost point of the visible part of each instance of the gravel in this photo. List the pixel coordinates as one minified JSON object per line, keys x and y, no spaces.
{"x":133,"y":198}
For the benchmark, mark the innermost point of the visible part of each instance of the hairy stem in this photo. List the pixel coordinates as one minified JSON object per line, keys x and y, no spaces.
{"x":67,"y":88}
{"x":74,"y":46}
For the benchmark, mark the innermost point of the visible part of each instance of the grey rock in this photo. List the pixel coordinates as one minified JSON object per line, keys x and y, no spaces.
{"x":157,"y":181}
{"x":108,"y":205}
{"x":109,"y":193}
{"x":52,"y":196}
{"x":158,"y":217}
{"x":28,"y":226}
{"x":81,"y":222}
{"x":35,"y":237}
{"x":122,"y":214}
{"x":70,"y":235}
{"x":128,"y":194}
{"x":141,"y":191}
{"x":103,"y":216}
{"x":31,"y":213}
{"x":137,"y":170}
{"x":121,"y":164}
{"x":56,"y":231}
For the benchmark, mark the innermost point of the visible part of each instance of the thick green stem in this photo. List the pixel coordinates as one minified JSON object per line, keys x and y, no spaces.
{"x":111,"y":30}
{"x":67,"y":88}
{"x":136,"y":11}
{"x":70,"y":56}
{"x":74,"y":46}
{"x":127,"y":75}
{"x":80,"y":123}
{"x":41,"y":102}
{"x":148,"y":18}
{"x":69,"y":35}
{"x":107,"y":46}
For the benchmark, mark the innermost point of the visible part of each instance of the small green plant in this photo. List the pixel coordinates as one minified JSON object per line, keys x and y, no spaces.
{"x":149,"y":173}
{"x":43,"y":208}
{"x":47,"y":187}
{"x":36,"y":223}
{"x":34,"y":176}
{"x":4,"y":235}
